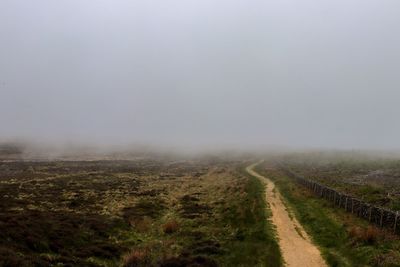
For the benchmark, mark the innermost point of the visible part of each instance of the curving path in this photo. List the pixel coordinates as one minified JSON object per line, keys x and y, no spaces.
{"x":296,"y":246}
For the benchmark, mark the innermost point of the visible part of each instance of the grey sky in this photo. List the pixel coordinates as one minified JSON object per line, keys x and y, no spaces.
{"x":199,"y":73}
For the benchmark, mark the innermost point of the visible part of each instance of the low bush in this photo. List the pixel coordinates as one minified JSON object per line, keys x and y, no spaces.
{"x":170,"y":227}
{"x":367,"y":235}
{"x":137,"y":257}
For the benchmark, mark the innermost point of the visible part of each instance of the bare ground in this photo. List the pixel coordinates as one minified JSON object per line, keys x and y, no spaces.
{"x":296,"y":246}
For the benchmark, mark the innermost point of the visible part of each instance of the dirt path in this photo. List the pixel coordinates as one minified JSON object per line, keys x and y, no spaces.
{"x":296,"y":246}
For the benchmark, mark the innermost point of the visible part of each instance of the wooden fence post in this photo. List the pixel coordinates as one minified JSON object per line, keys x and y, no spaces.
{"x":363,"y":210}
{"x":352,"y":205}
{"x":370,"y":213}
{"x":334,"y":198}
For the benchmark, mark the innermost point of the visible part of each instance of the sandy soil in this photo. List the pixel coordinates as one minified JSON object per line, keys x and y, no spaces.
{"x":296,"y":246}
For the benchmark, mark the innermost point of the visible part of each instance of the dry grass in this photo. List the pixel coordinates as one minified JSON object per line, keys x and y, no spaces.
{"x":92,"y":213}
{"x":141,"y":225}
{"x":366,"y":235}
{"x":138,"y":257}
{"x":170,"y":227}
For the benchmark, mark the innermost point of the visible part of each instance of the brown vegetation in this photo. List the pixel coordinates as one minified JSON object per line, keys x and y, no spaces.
{"x":368,"y":234}
{"x":171,"y":227}
{"x":137,"y":258}
{"x":108,"y":213}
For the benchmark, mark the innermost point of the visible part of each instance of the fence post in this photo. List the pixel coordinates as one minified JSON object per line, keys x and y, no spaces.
{"x":334,"y":198}
{"x":370,"y":213}
{"x":363,"y":210}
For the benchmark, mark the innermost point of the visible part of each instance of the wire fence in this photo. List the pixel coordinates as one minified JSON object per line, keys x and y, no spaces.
{"x":377,"y":215}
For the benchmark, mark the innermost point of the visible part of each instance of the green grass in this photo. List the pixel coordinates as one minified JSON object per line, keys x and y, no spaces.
{"x":254,"y":241}
{"x":232,"y":232}
{"x":341,"y":237}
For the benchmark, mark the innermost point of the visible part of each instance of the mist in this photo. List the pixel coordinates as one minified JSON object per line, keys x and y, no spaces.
{"x":201,"y":74}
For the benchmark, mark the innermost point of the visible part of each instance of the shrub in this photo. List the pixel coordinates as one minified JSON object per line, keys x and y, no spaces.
{"x":171,"y":227}
{"x":371,"y":234}
{"x":137,"y":258}
{"x":366,"y":235}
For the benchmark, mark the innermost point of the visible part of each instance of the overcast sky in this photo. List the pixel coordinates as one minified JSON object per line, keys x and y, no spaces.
{"x":302,"y":73}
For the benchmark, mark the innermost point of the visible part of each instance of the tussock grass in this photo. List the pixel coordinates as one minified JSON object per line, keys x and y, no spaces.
{"x":170,"y":227}
{"x":137,"y":258}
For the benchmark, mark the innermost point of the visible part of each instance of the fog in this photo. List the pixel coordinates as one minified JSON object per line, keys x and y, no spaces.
{"x":196,"y":74}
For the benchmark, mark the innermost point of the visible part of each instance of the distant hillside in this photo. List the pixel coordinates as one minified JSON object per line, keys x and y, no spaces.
{"x":10,"y":151}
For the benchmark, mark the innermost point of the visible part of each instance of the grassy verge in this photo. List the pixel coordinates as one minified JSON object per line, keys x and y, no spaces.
{"x":254,"y":242}
{"x":344,"y":240}
{"x":221,"y":220}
